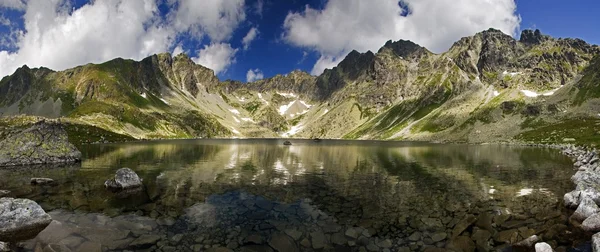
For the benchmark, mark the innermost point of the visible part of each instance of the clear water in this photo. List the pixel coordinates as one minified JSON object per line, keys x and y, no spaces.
{"x":259,"y":195}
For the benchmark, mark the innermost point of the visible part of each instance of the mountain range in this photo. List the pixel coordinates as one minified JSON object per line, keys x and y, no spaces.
{"x":488,"y":87}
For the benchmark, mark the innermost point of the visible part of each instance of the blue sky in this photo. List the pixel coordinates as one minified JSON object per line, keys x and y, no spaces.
{"x":65,"y":33}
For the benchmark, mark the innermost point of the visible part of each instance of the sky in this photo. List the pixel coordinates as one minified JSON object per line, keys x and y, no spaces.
{"x":248,"y":40}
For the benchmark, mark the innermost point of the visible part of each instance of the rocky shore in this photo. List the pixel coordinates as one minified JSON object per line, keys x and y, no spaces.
{"x":586,"y":196}
{"x":42,"y":143}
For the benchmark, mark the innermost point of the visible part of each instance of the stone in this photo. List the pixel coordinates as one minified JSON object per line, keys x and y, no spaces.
{"x":481,"y":237}
{"x":56,"y":248}
{"x":42,"y":143}
{"x":317,"y":239}
{"x":595,"y":242}
{"x":484,"y":221}
{"x":587,"y":207}
{"x":21,"y":219}
{"x":439,"y":236}
{"x":461,"y":243}
{"x":305,"y":243}
{"x":219,"y":249}
{"x":592,"y":223}
{"x":4,"y":247}
{"x":283,"y":243}
{"x":339,"y":239}
{"x":254,"y":238}
{"x":256,"y":248}
{"x":176,"y":238}
{"x":4,"y":193}
{"x":144,"y":241}
{"x":352,"y":233}
{"x":462,"y":225}
{"x":41,"y":181}
{"x":529,"y":242}
{"x":90,"y":246}
{"x":543,"y":247}
{"x":125,"y":179}
{"x":415,"y":236}
{"x":72,"y":241}
{"x":507,"y":236}
{"x":294,"y":233}
{"x":431,"y":224}
{"x":385,"y":243}
{"x":287,"y":143}
{"x":372,"y":247}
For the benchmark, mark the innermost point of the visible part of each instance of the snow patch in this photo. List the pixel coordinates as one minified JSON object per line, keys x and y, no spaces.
{"x":234,"y":130}
{"x":512,"y":74}
{"x":241,"y":99}
{"x":496,"y":93}
{"x":262,"y":99}
{"x":245,"y":119}
{"x":144,"y":95}
{"x":288,"y":95}
{"x":284,"y":108}
{"x":305,"y":104}
{"x":236,"y":120}
{"x":166,"y":102}
{"x":293,"y":131}
{"x":529,"y":93}
{"x":235,"y":111}
{"x":326,"y":111}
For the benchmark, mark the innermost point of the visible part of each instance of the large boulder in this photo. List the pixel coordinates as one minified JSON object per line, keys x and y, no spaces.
{"x":42,"y":143}
{"x":586,"y":208}
{"x":125,"y":179}
{"x":21,"y":219}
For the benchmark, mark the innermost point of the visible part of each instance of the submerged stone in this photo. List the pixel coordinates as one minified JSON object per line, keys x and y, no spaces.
{"x":125,"y":179}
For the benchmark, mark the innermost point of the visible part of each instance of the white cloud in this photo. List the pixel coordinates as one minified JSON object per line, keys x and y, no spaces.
{"x":4,"y":21}
{"x":178,"y":50}
{"x":344,"y":25}
{"x":250,"y":36}
{"x":259,"y":7}
{"x":254,"y":75}
{"x":217,"y":56}
{"x":12,"y":4}
{"x":58,"y":37}
{"x":215,"y":18}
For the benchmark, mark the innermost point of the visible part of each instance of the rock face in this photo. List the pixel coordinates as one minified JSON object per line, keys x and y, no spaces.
{"x":21,"y":219}
{"x":42,"y":143}
{"x":125,"y":179}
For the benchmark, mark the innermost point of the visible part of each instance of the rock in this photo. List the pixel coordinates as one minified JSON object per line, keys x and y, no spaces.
{"x":529,"y":242}
{"x":254,"y":238}
{"x":294,"y":233}
{"x":592,"y":223}
{"x":595,"y":242}
{"x":90,"y":246}
{"x":41,"y":181}
{"x":543,"y":247}
{"x":4,"y":193}
{"x":415,"y":236}
{"x":385,"y":243}
{"x":317,"y":239}
{"x":21,"y":219}
{"x":144,"y":241}
{"x":352,"y":233}
{"x":507,"y":236}
{"x":125,"y":179}
{"x":431,"y":224}
{"x":462,"y":225}
{"x":338,"y":239}
{"x":283,"y":243}
{"x":256,"y":248}
{"x":219,"y":249}
{"x":287,"y":143}
{"x":56,"y":248}
{"x":461,"y":243}
{"x":4,"y":247}
{"x":481,"y":237}
{"x":587,"y":207}
{"x":439,"y":236}
{"x":572,"y":199}
{"x":42,"y":143}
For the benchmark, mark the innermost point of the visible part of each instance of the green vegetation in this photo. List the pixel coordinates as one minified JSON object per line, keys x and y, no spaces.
{"x":123,"y":113}
{"x":252,"y":106}
{"x":80,"y":134}
{"x":583,"y":130}
{"x":589,"y":85}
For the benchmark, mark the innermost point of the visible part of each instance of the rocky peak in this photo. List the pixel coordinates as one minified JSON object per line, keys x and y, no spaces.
{"x":404,"y":48}
{"x":531,"y":37}
{"x":356,"y":64}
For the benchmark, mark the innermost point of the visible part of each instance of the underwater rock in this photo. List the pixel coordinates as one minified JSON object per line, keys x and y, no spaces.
{"x":41,"y":181}
{"x":287,"y":143}
{"x":21,"y":219}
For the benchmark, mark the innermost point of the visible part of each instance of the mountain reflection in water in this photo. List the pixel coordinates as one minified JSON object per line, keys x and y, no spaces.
{"x":259,"y":195}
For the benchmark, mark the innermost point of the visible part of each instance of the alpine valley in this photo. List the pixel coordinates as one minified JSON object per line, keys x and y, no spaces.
{"x":488,"y":87}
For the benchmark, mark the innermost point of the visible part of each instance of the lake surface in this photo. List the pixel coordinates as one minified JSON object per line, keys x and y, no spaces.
{"x":259,"y":195}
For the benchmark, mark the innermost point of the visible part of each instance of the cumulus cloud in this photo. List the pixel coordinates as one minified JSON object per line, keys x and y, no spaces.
{"x":217,"y":56}
{"x":254,"y":75}
{"x":344,"y":25}
{"x":12,"y":4}
{"x":259,"y":7}
{"x":177,"y":50}
{"x":56,"y":36}
{"x":215,"y":18}
{"x":250,"y":36}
